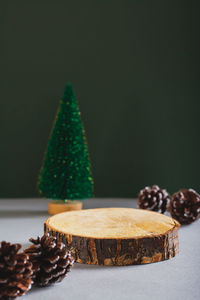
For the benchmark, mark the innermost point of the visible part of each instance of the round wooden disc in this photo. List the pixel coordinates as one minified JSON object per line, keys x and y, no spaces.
{"x":116,"y":236}
{"x":58,"y":207}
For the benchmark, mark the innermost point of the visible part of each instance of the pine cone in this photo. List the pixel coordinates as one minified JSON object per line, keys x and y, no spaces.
{"x":50,"y":258}
{"x":15,"y":271}
{"x":185,"y":206}
{"x":154,"y":198}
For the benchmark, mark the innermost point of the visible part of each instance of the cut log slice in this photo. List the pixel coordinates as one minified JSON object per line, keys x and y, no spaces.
{"x":116,"y":236}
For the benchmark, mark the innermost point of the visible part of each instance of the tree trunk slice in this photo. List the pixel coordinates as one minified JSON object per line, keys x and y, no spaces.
{"x":57,"y":207}
{"x":116,"y":236}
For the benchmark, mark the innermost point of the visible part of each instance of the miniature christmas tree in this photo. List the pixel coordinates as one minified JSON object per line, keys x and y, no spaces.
{"x":65,"y":173}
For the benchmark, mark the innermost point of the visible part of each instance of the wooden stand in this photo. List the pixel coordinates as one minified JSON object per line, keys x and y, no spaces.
{"x":116,"y":236}
{"x":57,"y":207}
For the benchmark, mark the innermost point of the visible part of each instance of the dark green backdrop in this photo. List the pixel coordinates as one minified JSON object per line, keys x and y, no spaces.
{"x":134,"y":66}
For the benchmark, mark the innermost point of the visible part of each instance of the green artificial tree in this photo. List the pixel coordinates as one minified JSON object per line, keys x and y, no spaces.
{"x":66,"y":173}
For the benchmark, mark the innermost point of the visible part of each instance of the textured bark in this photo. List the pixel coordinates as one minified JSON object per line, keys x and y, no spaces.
{"x":120,"y":252}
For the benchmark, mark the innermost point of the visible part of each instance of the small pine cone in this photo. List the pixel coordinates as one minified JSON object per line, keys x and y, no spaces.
{"x":185,"y":206}
{"x":153,"y":198}
{"x":15,"y":271}
{"x":50,"y":258}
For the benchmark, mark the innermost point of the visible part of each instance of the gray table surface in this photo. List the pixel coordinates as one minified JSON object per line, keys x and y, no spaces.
{"x":178,"y":278}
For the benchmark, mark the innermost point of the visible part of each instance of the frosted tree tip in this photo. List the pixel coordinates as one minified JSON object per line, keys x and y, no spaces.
{"x":68,"y":92}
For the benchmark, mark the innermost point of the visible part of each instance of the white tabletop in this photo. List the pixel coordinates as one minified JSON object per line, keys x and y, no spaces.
{"x":173,"y":279}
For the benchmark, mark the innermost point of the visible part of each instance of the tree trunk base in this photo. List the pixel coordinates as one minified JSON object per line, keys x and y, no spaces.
{"x":116,"y":236}
{"x":57,"y":207}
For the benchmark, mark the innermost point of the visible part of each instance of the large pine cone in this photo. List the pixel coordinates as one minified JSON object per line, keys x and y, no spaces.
{"x":185,"y":206}
{"x":153,"y":198}
{"x":15,"y":271}
{"x":50,"y":258}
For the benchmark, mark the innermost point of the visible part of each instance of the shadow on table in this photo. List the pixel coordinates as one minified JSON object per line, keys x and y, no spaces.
{"x":39,"y":289}
{"x":23,"y":213}
{"x":79,"y":266}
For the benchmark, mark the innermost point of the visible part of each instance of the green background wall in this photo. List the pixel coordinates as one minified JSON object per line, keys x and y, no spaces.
{"x":134,"y":66}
